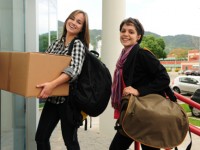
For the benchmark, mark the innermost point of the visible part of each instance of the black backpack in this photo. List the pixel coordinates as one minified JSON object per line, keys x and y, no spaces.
{"x":92,"y":89}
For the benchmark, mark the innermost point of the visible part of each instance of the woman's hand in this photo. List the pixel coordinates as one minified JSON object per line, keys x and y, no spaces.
{"x":130,"y":90}
{"x":47,"y":89}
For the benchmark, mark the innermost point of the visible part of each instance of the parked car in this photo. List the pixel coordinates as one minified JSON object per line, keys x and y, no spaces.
{"x":196,"y":73}
{"x":195,"y":97}
{"x":180,"y":72}
{"x":188,"y":72}
{"x":192,"y":72}
{"x":186,"y":84}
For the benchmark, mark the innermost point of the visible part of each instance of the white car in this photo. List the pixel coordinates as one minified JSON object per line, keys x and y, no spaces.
{"x":186,"y":84}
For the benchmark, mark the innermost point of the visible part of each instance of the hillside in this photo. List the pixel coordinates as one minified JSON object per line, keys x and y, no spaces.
{"x":178,"y":41}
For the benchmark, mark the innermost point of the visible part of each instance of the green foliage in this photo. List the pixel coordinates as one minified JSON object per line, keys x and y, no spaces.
{"x":43,"y":40}
{"x":168,"y":69}
{"x":194,"y":121}
{"x":179,"y":53}
{"x":156,"y":45}
{"x":185,"y":107}
{"x":41,"y":105}
{"x":177,"y":69}
{"x":178,"y":41}
{"x":95,"y":35}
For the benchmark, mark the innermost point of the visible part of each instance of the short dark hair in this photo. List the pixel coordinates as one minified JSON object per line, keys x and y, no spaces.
{"x":137,"y":25}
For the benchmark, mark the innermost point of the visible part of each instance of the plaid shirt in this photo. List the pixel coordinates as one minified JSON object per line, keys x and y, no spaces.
{"x":74,"y":69}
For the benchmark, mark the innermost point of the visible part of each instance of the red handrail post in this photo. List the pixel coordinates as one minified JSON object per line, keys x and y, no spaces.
{"x":137,"y":145}
{"x":192,"y":103}
{"x":195,"y":130}
{"x":187,"y":100}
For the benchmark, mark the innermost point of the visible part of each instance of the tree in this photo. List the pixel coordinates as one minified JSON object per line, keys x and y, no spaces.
{"x":95,"y":36}
{"x":155,"y":45}
{"x":43,"y":40}
{"x":179,"y":53}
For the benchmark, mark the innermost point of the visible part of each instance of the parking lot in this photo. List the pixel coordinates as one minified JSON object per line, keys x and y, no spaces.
{"x":173,"y":75}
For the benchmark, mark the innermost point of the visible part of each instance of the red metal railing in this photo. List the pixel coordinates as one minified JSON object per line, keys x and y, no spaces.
{"x":188,"y":101}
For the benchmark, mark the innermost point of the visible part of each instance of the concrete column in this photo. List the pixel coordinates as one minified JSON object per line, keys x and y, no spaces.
{"x":31,"y":45}
{"x":113,"y":13}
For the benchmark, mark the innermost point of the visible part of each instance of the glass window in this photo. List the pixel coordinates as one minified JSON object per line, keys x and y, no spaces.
{"x":188,"y":80}
{"x":193,"y":81}
{"x":184,"y":80}
{"x":12,"y":106}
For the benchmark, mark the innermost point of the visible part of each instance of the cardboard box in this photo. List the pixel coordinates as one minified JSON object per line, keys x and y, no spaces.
{"x":20,"y":72}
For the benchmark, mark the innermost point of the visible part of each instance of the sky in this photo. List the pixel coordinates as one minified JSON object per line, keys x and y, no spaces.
{"x":163,"y":17}
{"x":167,"y":17}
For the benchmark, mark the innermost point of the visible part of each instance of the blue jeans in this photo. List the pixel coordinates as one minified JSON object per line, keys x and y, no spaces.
{"x":51,"y":114}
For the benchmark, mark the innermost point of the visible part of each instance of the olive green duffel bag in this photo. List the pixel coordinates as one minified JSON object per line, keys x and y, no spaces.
{"x":153,"y":120}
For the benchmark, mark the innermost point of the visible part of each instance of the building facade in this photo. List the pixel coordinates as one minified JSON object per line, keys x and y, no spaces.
{"x":190,"y":63}
{"x":19,"y":32}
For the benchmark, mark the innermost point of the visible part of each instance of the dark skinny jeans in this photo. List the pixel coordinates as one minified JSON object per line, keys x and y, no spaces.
{"x":121,"y":142}
{"x":50,"y":117}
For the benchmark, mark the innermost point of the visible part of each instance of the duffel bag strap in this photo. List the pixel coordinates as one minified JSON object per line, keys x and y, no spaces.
{"x":117,"y":125}
{"x":190,"y":144}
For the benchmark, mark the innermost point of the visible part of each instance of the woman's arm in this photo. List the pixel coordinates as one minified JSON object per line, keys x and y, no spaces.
{"x":69,"y":73}
{"x":48,"y":87}
{"x":157,"y":77}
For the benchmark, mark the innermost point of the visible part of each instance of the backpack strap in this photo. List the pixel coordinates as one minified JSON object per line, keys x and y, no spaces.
{"x":95,"y":53}
{"x":168,"y":91}
{"x":86,"y":50}
{"x":190,"y":144}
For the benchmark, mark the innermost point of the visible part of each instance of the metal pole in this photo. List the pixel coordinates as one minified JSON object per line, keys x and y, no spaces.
{"x":199,"y":46}
{"x":137,"y":145}
{"x":195,"y":130}
{"x":49,"y":31}
{"x":187,"y":100}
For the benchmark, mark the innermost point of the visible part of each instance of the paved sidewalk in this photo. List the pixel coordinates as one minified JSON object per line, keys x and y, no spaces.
{"x":92,"y":139}
{"x":89,"y":139}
